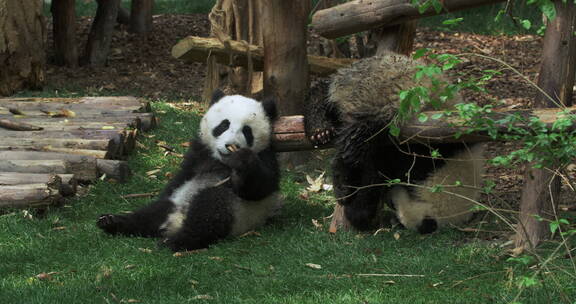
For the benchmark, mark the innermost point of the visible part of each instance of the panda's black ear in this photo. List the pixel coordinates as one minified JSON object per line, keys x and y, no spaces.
{"x":216,"y":96}
{"x":269,"y":105}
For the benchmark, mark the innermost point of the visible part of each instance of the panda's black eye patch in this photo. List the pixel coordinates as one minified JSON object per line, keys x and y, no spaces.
{"x":247,"y":131}
{"x":221,"y":128}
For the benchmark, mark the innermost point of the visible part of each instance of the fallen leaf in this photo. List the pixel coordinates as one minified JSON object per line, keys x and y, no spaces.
{"x":313,"y":266}
{"x":59,"y":228}
{"x":317,"y":224}
{"x":108,"y":128}
{"x":145,"y":250}
{"x":216,"y":258}
{"x":251,"y":233}
{"x":202,"y":297}
{"x":396,"y":235}
{"x":189,"y":252}
{"x":315,"y":184}
{"x":152,"y":172}
{"x":185,"y":144}
{"x":130,"y":266}
{"x":437,"y":284}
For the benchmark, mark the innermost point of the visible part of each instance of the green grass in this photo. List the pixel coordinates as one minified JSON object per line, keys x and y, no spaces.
{"x":92,"y":267}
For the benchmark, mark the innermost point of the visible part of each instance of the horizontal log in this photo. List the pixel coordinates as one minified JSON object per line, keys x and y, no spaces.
{"x":68,"y":186}
{"x":289,"y":130}
{"x":197,"y":49}
{"x":11,"y":124}
{"x":112,"y":147}
{"x":117,"y":103}
{"x":361,"y":15}
{"x":34,"y":166}
{"x":85,"y":167}
{"x":30,"y":195}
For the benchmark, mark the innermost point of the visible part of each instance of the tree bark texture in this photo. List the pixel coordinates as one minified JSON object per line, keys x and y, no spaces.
{"x":64,"y":28}
{"x":100,"y":36}
{"x":141,"y":16}
{"x":284,"y":27}
{"x":541,"y":189}
{"x":360,"y":15}
{"x":22,"y":39}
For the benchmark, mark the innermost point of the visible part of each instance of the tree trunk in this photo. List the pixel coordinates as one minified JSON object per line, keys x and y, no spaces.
{"x":541,"y":189}
{"x":22,"y":38}
{"x":397,"y":38}
{"x":64,"y":20}
{"x":284,"y":26}
{"x":141,"y":16}
{"x":284,"y":29}
{"x":100,"y":36}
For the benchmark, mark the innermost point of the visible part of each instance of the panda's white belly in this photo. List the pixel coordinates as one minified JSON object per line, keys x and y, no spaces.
{"x":249,"y":215}
{"x":181,"y":198}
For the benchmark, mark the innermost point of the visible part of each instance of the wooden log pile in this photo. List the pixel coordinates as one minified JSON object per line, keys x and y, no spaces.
{"x":48,"y":145}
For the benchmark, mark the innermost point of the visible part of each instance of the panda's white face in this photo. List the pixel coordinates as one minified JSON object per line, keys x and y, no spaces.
{"x":235,"y":120}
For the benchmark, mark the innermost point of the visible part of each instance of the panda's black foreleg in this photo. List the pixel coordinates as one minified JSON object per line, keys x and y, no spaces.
{"x":254,"y":176}
{"x":355,"y":188}
{"x":143,"y":222}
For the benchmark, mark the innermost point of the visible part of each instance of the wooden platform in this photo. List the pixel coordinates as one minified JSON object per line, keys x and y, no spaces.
{"x":47,"y":145}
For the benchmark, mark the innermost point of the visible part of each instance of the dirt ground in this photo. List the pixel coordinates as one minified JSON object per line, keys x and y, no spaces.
{"x":143,"y":66}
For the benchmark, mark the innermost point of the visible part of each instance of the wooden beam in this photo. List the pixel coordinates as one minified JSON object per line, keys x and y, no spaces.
{"x":289,"y":132}
{"x":31,"y":195}
{"x":67,"y":188}
{"x":360,"y":15}
{"x":197,"y":49}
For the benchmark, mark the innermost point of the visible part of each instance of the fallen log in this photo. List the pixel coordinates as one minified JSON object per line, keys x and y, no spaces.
{"x":84,"y":167}
{"x":197,"y":49}
{"x":34,"y":166}
{"x":31,"y":195}
{"x":112,"y":147}
{"x":289,"y":130}
{"x":77,"y":105}
{"x":360,"y":15}
{"x":117,"y":170}
{"x":17,"y":126}
{"x":67,"y":188}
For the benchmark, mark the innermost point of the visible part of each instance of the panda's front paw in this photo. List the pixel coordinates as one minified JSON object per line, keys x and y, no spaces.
{"x":109,"y":223}
{"x":320,"y":137}
{"x":239,"y":159}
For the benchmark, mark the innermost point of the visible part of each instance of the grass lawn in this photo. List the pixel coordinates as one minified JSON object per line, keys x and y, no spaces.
{"x":270,"y":267}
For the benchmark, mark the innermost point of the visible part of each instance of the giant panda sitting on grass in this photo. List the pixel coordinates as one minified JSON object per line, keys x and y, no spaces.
{"x":362,"y":102}
{"x":227,"y":184}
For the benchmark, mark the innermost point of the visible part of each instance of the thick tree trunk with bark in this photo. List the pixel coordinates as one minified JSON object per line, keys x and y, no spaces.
{"x":141,"y":16}
{"x":64,"y":28}
{"x":284,"y":26}
{"x":22,"y":38}
{"x":100,"y":36}
{"x":541,"y":189}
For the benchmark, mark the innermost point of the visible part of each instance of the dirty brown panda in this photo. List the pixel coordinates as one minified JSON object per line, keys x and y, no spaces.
{"x":353,"y":110}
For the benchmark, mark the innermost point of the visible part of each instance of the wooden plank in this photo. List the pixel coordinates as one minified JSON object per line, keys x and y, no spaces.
{"x":34,"y":166}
